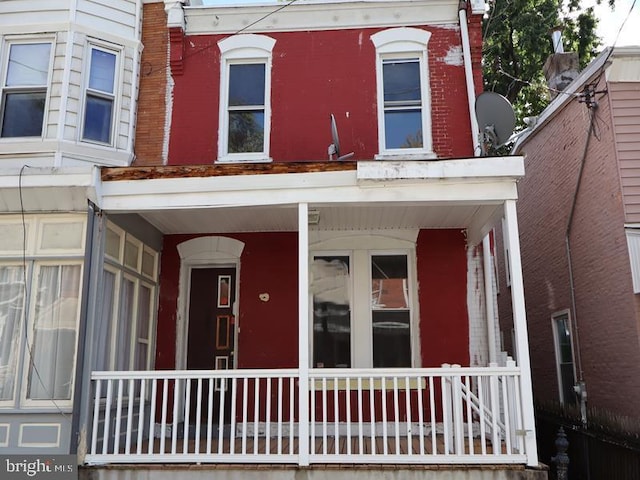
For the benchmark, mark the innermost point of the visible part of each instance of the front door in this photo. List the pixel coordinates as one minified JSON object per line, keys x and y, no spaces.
{"x":211,"y":339}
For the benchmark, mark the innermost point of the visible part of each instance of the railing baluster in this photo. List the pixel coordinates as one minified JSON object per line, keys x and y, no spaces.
{"x":372,"y":416}
{"x":445,"y":384}
{"x":482,"y":415}
{"x":383,"y":390}
{"x":347,"y":391}
{"x":118,"y":419}
{"x":336,"y":417}
{"x":267,"y":419}
{"x":143,"y":394}
{"x":234,"y":400}
{"x":507,"y":414}
{"x":187,"y":411}
{"x":107,"y":417}
{"x":407,"y":398}
{"x":245,"y":408}
{"x":198,"y":418}
{"x":174,"y":427}
{"x":163,"y":422}
{"x":221,"y":406}
{"x":396,"y":414}
{"x":152,"y":414}
{"x":432,"y":411}
{"x":324,"y":415}
{"x":280,"y":406}
{"x":127,"y":445}
{"x":360,"y":418}
{"x":312,"y":415}
{"x":256,"y":413}
{"x":96,"y":418}
{"x":420,"y":414}
{"x":292,"y":391}
{"x":210,"y":394}
{"x":469,"y":398}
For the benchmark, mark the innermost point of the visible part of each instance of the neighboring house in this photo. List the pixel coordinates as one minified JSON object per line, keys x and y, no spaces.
{"x":247,"y":291}
{"x":579,"y":228}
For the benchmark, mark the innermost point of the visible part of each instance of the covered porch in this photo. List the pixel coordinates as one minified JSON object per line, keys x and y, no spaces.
{"x":417,"y":413}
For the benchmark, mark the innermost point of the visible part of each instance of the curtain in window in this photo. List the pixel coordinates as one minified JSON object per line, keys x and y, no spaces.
{"x":11,"y":311}
{"x":52,"y":350}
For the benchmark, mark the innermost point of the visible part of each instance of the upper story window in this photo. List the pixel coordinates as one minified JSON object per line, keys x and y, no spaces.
{"x":245,"y":94}
{"x":404,"y":112}
{"x":100,"y":96}
{"x":24,"y":89}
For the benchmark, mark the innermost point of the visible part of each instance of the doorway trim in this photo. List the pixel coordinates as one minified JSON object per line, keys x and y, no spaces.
{"x":202,"y":252}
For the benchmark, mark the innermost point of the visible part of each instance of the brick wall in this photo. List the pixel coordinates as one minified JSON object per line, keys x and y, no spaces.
{"x":150,"y":129}
{"x":607,"y":331}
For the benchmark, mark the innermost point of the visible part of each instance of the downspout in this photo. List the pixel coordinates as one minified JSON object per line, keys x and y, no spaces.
{"x":468,"y":71}
{"x":581,"y":389}
{"x":486,"y":246}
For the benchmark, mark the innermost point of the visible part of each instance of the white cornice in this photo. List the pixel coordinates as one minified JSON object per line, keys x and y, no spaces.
{"x":319,"y":15}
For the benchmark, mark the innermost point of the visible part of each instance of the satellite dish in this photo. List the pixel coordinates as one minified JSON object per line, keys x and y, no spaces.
{"x":495,"y":119}
{"x":334,"y":148}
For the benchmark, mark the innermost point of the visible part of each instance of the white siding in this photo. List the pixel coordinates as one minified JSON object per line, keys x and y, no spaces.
{"x":118,"y":17}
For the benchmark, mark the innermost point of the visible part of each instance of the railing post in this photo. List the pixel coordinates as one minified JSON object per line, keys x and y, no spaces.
{"x":458,"y":425}
{"x":561,"y":459}
{"x":303,"y":334}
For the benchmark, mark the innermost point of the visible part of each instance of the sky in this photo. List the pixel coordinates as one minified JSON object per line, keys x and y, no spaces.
{"x":610,"y":21}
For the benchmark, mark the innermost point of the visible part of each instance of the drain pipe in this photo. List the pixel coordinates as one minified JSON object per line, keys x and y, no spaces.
{"x":468,"y":70}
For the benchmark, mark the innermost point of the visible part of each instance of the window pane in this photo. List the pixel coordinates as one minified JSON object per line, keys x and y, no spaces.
{"x":403,"y":128}
{"x":23,"y":114}
{"x":125,"y":325}
{"x":391,"y":338}
{"x":106,"y":321}
{"x":142,"y":330}
{"x":331,"y":312}
{"x":401,"y":80}
{"x":97,"y":119}
{"x":246,"y":84}
{"x":11,"y":310}
{"x":103,"y":68}
{"x":246,"y":132}
{"x":54,"y":335}
{"x":28,"y":64}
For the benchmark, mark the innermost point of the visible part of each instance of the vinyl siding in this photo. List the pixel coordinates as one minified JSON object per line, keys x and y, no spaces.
{"x":625,"y":101}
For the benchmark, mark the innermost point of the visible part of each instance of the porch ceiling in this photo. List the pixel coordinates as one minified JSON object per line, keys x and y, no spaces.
{"x":332,"y":217}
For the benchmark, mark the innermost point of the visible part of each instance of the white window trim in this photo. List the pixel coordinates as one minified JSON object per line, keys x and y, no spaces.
{"x":556,"y":348}
{"x":119,"y":53}
{"x":4,"y":67}
{"x":633,"y":244}
{"x":359,"y":249}
{"x":401,"y":43}
{"x":239,"y":49}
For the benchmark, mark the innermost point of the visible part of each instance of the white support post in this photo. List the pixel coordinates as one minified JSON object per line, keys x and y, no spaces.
{"x":488,"y":298}
{"x":303,"y":334}
{"x":520,"y":327}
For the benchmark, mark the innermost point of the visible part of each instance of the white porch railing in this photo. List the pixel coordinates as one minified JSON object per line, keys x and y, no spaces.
{"x":429,"y":415}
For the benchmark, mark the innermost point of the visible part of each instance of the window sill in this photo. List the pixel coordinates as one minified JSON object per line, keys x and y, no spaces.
{"x":232,"y":160}
{"x":426,"y":155}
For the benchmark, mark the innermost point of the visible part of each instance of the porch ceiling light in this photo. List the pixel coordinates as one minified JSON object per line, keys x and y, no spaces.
{"x":314,"y":217}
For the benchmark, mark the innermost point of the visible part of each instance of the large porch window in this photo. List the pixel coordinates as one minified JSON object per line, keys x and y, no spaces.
{"x":362,"y":309}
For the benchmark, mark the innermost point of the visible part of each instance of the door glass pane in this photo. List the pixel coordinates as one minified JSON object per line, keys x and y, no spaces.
{"x":11,"y":310}
{"x":331,"y":311}
{"x":28,"y":64}
{"x":144,"y":312}
{"x":54,"y":334}
{"x":106,"y":321}
{"x":125,"y":324}
{"x":390,"y":311}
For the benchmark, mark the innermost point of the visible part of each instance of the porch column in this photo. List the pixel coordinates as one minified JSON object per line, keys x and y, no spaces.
{"x":303,"y":333}
{"x":488,"y":296}
{"x":520,"y":327}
